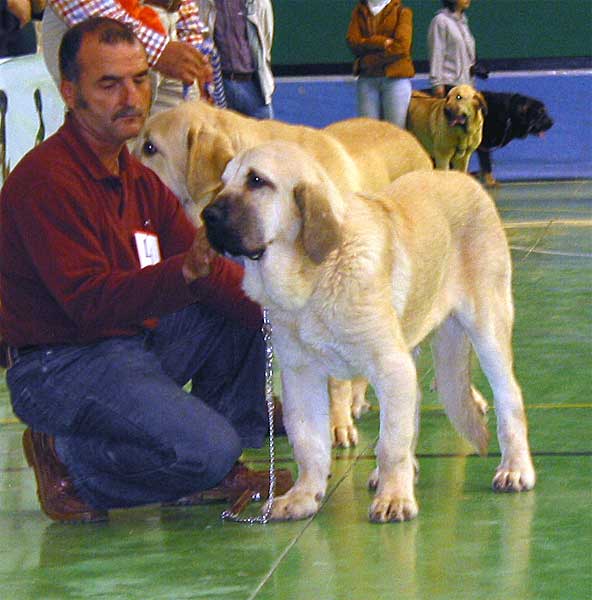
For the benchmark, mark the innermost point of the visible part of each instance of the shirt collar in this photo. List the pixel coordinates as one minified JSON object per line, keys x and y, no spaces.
{"x":85,"y":154}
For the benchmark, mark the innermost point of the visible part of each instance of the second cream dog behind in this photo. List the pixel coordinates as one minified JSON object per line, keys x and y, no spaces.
{"x":189,"y":146}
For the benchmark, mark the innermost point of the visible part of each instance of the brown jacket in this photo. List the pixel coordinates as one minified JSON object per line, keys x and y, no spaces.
{"x":366,"y":37}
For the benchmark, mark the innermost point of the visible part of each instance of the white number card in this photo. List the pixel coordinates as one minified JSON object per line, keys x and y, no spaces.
{"x":148,"y":249}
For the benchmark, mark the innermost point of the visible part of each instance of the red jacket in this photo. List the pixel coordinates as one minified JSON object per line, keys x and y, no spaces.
{"x":69,"y":270}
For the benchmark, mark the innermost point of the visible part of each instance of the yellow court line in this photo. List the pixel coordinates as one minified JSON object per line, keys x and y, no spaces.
{"x":429,"y":408}
{"x":550,"y":406}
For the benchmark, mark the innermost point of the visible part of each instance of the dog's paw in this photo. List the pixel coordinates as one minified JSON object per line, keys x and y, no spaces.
{"x":514,"y":477}
{"x":344,"y":436}
{"x":296,"y":504}
{"x":374,"y":478}
{"x":387,"y":508}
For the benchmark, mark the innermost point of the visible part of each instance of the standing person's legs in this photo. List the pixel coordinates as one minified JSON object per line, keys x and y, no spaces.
{"x":368,"y":95}
{"x":395,"y":100}
{"x":246,"y":98}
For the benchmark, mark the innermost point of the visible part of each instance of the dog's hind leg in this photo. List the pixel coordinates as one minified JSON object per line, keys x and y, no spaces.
{"x":463,"y":404}
{"x":359,"y":403}
{"x":491,"y":335}
{"x":344,"y":433}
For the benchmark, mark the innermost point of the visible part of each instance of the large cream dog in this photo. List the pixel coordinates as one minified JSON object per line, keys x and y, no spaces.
{"x":354,"y":283}
{"x":450,"y":128}
{"x":189,"y":146}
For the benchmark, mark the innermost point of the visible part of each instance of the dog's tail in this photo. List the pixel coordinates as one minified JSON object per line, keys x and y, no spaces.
{"x":463,"y":404}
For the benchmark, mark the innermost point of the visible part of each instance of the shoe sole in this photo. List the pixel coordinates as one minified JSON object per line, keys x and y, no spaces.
{"x":83,"y":517}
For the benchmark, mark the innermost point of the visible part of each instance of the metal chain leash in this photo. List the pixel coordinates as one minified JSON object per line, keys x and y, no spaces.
{"x":233,"y":513}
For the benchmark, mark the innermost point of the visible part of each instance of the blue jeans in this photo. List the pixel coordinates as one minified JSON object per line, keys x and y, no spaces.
{"x":246,"y":98}
{"x":385,"y":98}
{"x":124,"y":427}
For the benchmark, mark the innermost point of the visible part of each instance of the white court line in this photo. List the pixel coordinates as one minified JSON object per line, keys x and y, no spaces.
{"x":568,"y":222}
{"x":549,"y":223}
{"x":552,"y":252}
{"x":422,"y":76}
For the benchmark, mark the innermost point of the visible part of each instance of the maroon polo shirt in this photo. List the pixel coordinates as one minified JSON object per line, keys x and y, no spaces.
{"x":69,"y":267}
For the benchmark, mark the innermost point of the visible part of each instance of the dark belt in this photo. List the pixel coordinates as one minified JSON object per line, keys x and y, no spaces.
{"x":237,"y":76}
{"x":13,"y":354}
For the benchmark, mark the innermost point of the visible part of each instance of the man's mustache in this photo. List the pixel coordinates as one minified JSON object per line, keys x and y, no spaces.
{"x":128,"y":111}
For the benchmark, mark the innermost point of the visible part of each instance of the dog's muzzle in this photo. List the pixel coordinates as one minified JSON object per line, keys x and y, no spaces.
{"x":223,"y":237}
{"x":455,"y":120}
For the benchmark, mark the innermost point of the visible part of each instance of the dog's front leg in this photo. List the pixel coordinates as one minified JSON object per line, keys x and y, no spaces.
{"x":306,"y":418}
{"x":395,"y":384}
{"x":442,"y":161}
{"x":460,"y":162}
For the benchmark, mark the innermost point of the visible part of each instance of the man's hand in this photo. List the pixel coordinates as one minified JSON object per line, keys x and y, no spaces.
{"x":198,"y":259}
{"x":184,"y":62}
{"x":21,"y":9}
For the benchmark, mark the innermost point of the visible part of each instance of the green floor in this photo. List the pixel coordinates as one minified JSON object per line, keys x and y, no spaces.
{"x":467,"y":543}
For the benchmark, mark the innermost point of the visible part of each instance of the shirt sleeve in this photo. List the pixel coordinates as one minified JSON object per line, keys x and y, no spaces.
{"x":222,"y":289}
{"x":358,"y":42}
{"x":76,"y":11}
{"x":189,"y":26}
{"x":98,"y":291}
{"x":403,"y":34}
{"x":436,"y":48}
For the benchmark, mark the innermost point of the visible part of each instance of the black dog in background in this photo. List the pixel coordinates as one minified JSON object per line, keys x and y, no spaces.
{"x":509,"y":116}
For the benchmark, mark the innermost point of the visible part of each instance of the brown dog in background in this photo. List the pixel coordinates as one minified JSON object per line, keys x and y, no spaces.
{"x":449,"y":128}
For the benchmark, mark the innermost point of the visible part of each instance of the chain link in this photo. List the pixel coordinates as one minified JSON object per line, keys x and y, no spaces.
{"x":262,"y":519}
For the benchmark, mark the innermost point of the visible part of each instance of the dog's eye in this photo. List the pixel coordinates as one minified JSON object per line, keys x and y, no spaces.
{"x":149,"y":149}
{"x":458,"y":97}
{"x":255,"y":182}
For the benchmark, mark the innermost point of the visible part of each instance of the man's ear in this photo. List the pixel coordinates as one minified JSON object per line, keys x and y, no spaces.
{"x":321,"y":230}
{"x":68,"y":91}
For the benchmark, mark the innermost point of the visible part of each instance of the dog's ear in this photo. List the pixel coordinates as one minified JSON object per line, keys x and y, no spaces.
{"x":208,"y":153}
{"x":480,"y":103}
{"x":321,"y":230}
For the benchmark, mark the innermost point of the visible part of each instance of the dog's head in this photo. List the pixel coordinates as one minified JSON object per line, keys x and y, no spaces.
{"x":462,"y":104}
{"x":275,"y":194}
{"x":185,"y":149}
{"x":528,"y":116}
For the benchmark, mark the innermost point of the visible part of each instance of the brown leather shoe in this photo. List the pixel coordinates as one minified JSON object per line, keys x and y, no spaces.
{"x":239,"y":480}
{"x":55,"y":490}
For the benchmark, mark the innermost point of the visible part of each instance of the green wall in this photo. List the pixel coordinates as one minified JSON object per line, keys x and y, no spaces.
{"x":313,"y":31}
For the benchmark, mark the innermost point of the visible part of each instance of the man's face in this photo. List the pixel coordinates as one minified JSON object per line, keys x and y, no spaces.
{"x":111,"y":98}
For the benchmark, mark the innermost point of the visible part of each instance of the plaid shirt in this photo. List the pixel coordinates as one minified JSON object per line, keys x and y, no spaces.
{"x":189,"y":28}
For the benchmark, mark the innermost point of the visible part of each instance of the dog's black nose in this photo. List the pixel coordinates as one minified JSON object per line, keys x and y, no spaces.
{"x":213,"y":214}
